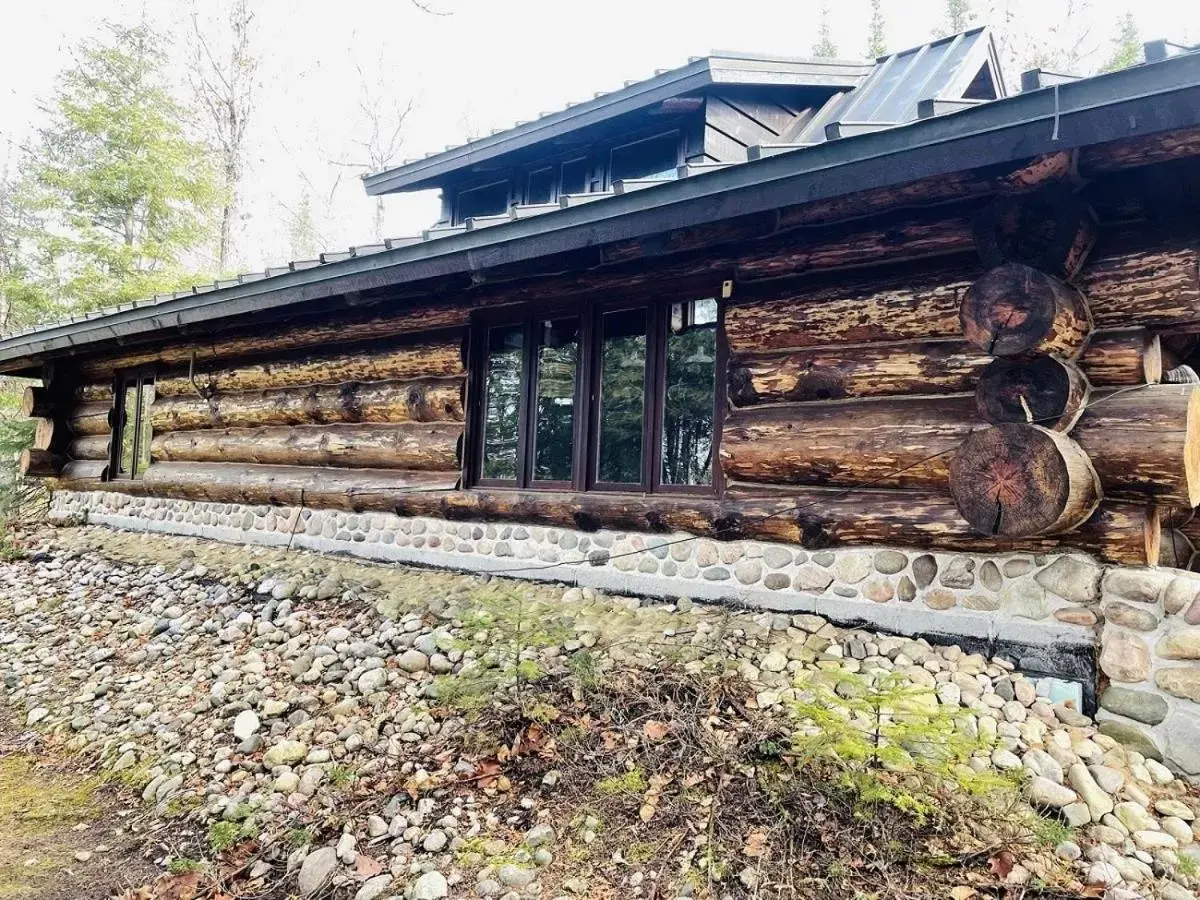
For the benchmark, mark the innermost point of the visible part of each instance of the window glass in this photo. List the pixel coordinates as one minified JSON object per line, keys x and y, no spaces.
{"x":540,"y":188}
{"x":489,"y":200}
{"x":689,"y":394}
{"x":655,"y":157}
{"x":145,"y":430}
{"x":622,"y":396}
{"x":557,"y":346}
{"x":574,"y":177}
{"x":129,"y":406}
{"x":502,"y":402}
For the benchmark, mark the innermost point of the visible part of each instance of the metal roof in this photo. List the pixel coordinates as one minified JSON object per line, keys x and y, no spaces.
{"x":1141,"y":100}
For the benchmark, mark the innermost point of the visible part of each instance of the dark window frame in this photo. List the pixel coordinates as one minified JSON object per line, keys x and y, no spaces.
{"x":140,"y":378}
{"x":459,"y":219}
{"x":585,"y":446}
{"x":610,"y":178}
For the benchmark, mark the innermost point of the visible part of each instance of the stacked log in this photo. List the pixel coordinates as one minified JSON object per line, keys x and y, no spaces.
{"x":72,"y":426}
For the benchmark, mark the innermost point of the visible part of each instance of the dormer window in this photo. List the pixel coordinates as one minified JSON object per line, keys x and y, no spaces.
{"x":540,"y":187}
{"x":656,"y":158}
{"x":488,"y":200}
{"x":574,"y":176}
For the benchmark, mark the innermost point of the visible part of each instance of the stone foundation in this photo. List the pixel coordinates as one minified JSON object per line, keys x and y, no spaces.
{"x":1048,"y":613}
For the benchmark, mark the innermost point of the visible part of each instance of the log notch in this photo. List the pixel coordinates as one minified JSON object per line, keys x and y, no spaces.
{"x":1040,"y":391}
{"x":433,"y":358}
{"x":1053,"y":231}
{"x":917,"y":367}
{"x":1023,"y":480}
{"x":419,"y":446}
{"x":419,"y":400}
{"x":1014,"y":309}
{"x":909,"y":441}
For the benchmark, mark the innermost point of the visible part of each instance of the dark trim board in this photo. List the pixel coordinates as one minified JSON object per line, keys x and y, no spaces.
{"x":1132,"y":103}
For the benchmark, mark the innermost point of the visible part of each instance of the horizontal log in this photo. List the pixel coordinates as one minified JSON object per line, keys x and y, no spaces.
{"x":428,"y":359}
{"x":814,"y":518}
{"x":44,"y":432}
{"x":1014,"y":309}
{"x":413,"y":445}
{"x":1154,"y":283}
{"x":92,"y":446}
{"x":41,"y":463}
{"x":1130,"y":356}
{"x":94,"y":393}
{"x":420,"y":400}
{"x":910,"y":441}
{"x":84,"y":470}
{"x":89,"y":418}
{"x":1116,"y":358}
{"x":37,"y":403}
{"x":332,"y":488}
{"x":1129,"y":152}
{"x":294,"y":335}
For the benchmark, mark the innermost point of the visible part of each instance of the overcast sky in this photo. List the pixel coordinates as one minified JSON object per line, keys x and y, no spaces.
{"x":482,"y":65}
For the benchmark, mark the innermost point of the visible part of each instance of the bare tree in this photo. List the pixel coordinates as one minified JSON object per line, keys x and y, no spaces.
{"x":224,"y":83}
{"x":877,"y":35}
{"x":382,"y":127}
{"x":824,"y":48}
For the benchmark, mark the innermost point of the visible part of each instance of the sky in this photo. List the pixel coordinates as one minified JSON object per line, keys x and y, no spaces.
{"x":470,"y":66}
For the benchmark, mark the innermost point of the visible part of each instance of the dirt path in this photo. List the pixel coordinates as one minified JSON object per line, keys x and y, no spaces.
{"x":64,"y":834}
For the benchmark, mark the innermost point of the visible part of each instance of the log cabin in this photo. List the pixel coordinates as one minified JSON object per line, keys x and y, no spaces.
{"x":878,"y":340}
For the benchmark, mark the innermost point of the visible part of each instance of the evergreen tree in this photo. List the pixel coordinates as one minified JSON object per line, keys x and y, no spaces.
{"x":959,"y":17}
{"x":1127,"y":45}
{"x":877,"y":37}
{"x":824,"y":48}
{"x":126,"y":193}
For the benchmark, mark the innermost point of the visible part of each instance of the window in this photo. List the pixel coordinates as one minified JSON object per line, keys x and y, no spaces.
{"x":539,"y":188}
{"x":489,"y":200}
{"x":656,"y":157}
{"x":574,"y":177}
{"x":608,"y":397}
{"x":130,"y":454}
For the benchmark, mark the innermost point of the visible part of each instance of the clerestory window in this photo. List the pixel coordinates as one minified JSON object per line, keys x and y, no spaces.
{"x":607,"y":397}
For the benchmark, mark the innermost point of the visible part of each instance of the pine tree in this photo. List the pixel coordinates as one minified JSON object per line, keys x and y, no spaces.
{"x":824,"y":48}
{"x":877,"y":37}
{"x":126,"y":192}
{"x":1127,"y":45}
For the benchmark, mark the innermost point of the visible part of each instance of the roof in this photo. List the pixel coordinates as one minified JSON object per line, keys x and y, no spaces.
{"x":1142,"y":100}
{"x":719,"y":68}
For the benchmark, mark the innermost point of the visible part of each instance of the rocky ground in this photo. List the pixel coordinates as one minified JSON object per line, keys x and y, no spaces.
{"x":287,"y":725}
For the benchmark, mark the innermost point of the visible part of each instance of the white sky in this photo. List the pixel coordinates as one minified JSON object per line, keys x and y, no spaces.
{"x":484,"y":65}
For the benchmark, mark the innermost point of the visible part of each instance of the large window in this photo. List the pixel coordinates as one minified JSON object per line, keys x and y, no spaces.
{"x":130,"y":449}
{"x":607,"y":397}
{"x":656,"y":157}
{"x":489,"y":200}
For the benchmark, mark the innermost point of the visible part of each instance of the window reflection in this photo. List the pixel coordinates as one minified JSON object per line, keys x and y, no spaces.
{"x":129,"y":406}
{"x":502,"y":405}
{"x":690,"y":392}
{"x":622,"y":396}
{"x":554,"y":425}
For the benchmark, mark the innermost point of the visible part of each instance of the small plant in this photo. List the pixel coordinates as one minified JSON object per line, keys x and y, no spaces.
{"x":1051,"y":832}
{"x":1189,"y":866}
{"x":182,"y":866}
{"x":632,"y":782}
{"x":223,"y":835}
{"x":300,"y":837}
{"x":584,"y":669}
{"x":342,"y":777}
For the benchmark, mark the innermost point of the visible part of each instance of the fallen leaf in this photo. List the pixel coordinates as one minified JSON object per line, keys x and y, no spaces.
{"x":756,"y":844}
{"x":962,"y":892}
{"x":656,"y":730}
{"x":646,"y":813}
{"x":367,"y":866}
{"x":182,"y":887}
{"x":1001,"y":864}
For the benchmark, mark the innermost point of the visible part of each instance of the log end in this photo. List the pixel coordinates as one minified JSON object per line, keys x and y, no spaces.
{"x":1014,"y":309}
{"x":1021,"y":481}
{"x":1039,"y":391}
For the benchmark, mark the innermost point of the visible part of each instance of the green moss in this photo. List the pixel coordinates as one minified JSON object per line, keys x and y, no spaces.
{"x":632,"y":782}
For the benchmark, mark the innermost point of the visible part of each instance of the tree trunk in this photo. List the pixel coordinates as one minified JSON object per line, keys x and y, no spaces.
{"x":427,"y":359}
{"x":415,"y":445}
{"x":292,"y":485}
{"x":290,"y":335}
{"x":1146,"y":441}
{"x":1022,"y":481}
{"x":1014,"y":309}
{"x":1040,"y":391}
{"x":1133,"y":356}
{"x":421,"y":400}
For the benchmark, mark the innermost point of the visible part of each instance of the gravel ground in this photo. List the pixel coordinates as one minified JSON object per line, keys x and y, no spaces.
{"x":312,"y":712}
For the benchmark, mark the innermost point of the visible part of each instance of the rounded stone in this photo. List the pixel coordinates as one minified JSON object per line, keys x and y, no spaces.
{"x":960,"y":573}
{"x":890,"y":562}
{"x":1181,"y":644}
{"x":1132,"y":736}
{"x":1124,"y":657}
{"x":246,"y":724}
{"x":776,"y":581}
{"x":982,"y":602}
{"x":924,"y":569}
{"x":906,"y":591}
{"x":940,"y":599}
{"x":1076,"y":615}
{"x":1073,"y":578}
{"x":878,"y":590}
{"x":748,"y":571}
{"x":1139,"y":618}
{"x":990,"y":577}
{"x":716,"y":573}
{"x":777,"y":557}
{"x":1180,"y":681}
{"x":812,"y":579}
{"x":852,"y":567}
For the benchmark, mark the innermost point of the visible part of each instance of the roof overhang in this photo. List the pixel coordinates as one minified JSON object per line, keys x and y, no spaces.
{"x":1131,"y":103}
{"x":718,"y":69}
